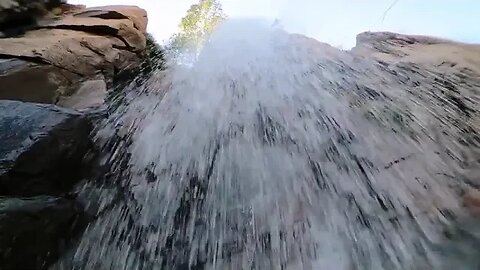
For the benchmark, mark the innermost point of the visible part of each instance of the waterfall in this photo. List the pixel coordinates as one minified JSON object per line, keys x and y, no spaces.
{"x":275,"y":151}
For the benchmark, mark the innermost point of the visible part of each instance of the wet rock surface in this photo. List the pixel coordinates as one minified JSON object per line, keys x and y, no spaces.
{"x":35,"y":230}
{"x":41,"y":159}
{"x":42,"y":148}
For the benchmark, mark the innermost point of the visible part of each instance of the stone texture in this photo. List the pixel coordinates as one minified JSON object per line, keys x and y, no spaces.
{"x":123,"y":29}
{"x":33,"y":231}
{"x":136,"y":15}
{"x":80,"y":45}
{"x":80,"y":53}
{"x":42,"y":148}
{"x":91,"y":94}
{"x":30,"y":82}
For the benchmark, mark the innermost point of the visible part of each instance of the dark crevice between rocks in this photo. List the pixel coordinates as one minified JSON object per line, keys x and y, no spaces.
{"x":39,"y":60}
{"x":120,"y":47}
{"x":106,"y":15}
{"x":18,"y":27}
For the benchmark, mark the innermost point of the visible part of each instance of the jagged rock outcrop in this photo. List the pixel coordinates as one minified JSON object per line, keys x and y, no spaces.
{"x":83,"y":44}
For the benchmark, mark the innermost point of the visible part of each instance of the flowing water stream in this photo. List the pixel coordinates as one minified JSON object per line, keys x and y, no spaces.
{"x":273,"y":151}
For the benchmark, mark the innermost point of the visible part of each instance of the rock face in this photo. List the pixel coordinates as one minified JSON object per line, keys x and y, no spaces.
{"x":33,"y":231}
{"x":42,"y":148}
{"x":81,"y":45}
{"x":27,"y":81}
{"x":90,"y":94}
{"x":41,"y":152}
{"x":54,"y":53}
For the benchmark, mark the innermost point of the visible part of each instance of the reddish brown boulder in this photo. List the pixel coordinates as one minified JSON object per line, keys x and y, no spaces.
{"x":82,"y":45}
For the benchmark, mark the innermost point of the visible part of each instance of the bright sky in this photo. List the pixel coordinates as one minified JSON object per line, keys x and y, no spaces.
{"x":334,"y":21}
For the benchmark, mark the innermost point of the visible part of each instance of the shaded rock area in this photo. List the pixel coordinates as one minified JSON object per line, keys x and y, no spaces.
{"x":42,"y":148}
{"x":35,"y":230}
{"x":32,"y":82}
{"x":15,"y":15}
{"x":41,"y":158}
{"x":59,"y":55}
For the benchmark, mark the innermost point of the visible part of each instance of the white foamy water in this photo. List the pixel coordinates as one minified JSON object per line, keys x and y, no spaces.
{"x":259,"y":156}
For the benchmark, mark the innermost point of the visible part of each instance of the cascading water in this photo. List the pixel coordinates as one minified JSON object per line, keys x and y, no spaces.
{"x":273,"y":151}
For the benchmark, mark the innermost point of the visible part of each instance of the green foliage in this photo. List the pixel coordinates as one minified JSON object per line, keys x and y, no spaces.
{"x":200,"y":21}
